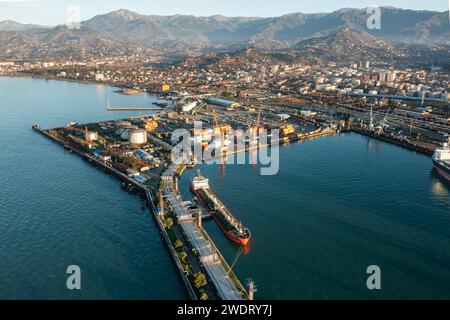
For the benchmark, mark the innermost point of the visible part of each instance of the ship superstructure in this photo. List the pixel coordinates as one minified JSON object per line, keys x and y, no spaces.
{"x":441,"y":161}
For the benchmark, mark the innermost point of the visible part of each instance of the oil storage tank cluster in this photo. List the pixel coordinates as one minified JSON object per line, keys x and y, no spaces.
{"x":123,"y":129}
{"x":124,"y":133}
{"x":137,"y":136}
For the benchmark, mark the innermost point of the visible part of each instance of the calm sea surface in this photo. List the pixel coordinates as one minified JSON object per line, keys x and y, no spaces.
{"x":338,"y":205}
{"x":56,"y":210}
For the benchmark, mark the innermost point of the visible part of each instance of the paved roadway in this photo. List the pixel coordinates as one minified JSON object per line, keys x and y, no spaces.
{"x":206,"y":250}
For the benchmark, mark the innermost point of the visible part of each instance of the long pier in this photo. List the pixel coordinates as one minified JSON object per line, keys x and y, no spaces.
{"x":184,"y":277}
{"x":274,"y":142}
{"x":133,"y":109}
{"x":149,"y":196}
{"x":220,"y":274}
{"x":421,"y":147}
{"x":218,"y":270}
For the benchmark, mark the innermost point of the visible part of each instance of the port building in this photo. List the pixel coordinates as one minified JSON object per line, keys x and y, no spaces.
{"x":223,"y":103}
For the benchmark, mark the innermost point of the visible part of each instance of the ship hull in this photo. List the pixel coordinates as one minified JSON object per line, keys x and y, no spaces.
{"x":442,"y":169}
{"x":230,"y":236}
{"x":233,"y":238}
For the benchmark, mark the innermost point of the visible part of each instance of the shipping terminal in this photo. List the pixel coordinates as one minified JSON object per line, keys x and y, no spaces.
{"x":138,"y":151}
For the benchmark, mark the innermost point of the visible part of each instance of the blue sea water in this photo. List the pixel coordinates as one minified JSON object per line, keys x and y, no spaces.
{"x":56,"y":211}
{"x":337,"y":205}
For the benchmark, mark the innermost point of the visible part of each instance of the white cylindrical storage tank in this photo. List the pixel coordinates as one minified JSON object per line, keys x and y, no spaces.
{"x":124,"y":133}
{"x":138,"y":136}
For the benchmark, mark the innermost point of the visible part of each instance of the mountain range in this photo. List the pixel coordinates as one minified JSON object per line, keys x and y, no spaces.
{"x":347,"y":45}
{"x":61,"y":41}
{"x":124,"y":29}
{"x":9,"y":25}
{"x":284,"y":31}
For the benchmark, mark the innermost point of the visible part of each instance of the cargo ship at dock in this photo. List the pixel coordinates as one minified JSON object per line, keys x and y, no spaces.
{"x":230,"y":225}
{"x":441,"y":161}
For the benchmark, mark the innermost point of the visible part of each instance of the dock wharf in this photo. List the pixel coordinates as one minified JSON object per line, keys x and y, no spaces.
{"x":220,"y":277}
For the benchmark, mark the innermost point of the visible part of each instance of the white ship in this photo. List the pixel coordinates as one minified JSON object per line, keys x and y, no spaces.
{"x":441,"y":161}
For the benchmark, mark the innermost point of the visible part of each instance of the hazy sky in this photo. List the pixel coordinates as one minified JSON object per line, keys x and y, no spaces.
{"x":52,"y":12}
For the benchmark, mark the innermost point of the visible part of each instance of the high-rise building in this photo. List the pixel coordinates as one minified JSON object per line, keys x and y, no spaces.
{"x":387,"y":76}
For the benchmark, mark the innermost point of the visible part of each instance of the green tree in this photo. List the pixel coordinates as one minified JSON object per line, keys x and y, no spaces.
{"x":183,"y":256}
{"x":203,"y":296}
{"x":187,"y":268}
{"x":169,"y":223}
{"x":178,"y":244}
{"x":199,"y":280}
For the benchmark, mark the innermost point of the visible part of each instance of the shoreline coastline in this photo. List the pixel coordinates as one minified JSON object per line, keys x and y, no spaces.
{"x":90,"y":82}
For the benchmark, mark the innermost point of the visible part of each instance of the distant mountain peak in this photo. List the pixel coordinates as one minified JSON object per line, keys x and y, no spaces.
{"x":10,"y":25}
{"x":347,"y":44}
{"x":125,"y":13}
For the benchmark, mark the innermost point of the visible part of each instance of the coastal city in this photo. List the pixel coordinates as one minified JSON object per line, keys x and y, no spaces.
{"x":417,"y":97}
{"x":251,"y":164}
{"x":408,"y":108}
{"x":248,"y":74}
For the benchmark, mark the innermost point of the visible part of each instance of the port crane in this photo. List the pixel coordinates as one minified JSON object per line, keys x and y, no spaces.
{"x":381,"y":126}
{"x":371,"y":125}
{"x":256,"y":127}
{"x":259,"y":116}
{"x":217,"y":127}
